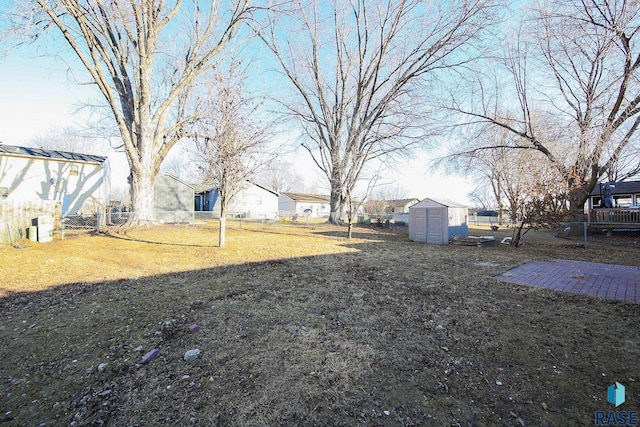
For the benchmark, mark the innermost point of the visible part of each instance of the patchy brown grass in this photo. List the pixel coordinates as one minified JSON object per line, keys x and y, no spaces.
{"x":299,"y":326}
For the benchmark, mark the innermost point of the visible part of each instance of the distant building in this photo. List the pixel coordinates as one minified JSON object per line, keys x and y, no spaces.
{"x":310,"y":205}
{"x":379,"y":207}
{"x":252,"y":201}
{"x":624,"y":194}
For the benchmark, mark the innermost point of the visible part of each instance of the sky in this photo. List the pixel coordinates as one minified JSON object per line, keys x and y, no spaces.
{"x":38,"y":94}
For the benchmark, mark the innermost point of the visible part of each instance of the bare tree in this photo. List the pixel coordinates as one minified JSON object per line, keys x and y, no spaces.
{"x":356,"y":68}
{"x":496,"y":168}
{"x":178,"y":166}
{"x":541,"y":202}
{"x":582,"y":107}
{"x":516,"y":178}
{"x":70,"y":138}
{"x":229,"y":140}
{"x":281,"y":177}
{"x":144,"y":56}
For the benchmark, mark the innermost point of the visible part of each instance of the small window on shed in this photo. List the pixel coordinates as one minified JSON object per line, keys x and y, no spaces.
{"x":4,"y":193}
{"x":73,"y":171}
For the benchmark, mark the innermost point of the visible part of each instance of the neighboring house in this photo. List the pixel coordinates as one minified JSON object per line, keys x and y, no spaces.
{"x":310,"y":205}
{"x":624,"y":194}
{"x":624,"y":201}
{"x":173,"y":200}
{"x":437,"y":221}
{"x":401,"y":206}
{"x":80,"y":182}
{"x":379,"y":207}
{"x":252,"y":201}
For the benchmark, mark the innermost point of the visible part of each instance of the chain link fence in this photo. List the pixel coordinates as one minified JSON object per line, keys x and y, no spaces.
{"x":19,"y":225}
{"x":583,"y":234}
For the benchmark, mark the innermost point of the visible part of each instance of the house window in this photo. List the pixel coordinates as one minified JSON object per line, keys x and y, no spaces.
{"x":623,"y":201}
{"x":4,"y":193}
{"x":73,"y":171}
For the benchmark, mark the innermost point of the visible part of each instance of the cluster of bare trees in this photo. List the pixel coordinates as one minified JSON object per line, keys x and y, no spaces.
{"x":567,"y":89}
{"x":556,"y":100}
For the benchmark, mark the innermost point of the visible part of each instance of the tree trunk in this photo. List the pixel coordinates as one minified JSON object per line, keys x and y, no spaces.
{"x":142,"y":196}
{"x":577,"y":198}
{"x":222,"y":233}
{"x":517,"y":235}
{"x":336,"y":204}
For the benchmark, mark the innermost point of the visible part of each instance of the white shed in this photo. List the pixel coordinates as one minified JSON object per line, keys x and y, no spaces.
{"x":437,"y":221}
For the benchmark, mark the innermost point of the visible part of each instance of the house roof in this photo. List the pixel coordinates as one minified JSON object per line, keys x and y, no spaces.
{"x":264,"y":188}
{"x":400,"y":202}
{"x":42,"y":153}
{"x":624,"y":187}
{"x":308,"y":198}
{"x":201,"y":188}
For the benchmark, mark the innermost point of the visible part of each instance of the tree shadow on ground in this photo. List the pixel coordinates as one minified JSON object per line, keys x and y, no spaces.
{"x":393,"y":334}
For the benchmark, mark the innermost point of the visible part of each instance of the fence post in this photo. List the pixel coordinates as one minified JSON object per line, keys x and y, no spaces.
{"x":98,"y":220}
{"x":585,"y":234}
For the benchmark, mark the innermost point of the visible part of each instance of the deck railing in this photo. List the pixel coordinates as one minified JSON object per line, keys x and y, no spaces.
{"x":615,"y":215}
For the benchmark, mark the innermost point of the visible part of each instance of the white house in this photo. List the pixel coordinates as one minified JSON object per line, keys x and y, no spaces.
{"x":309,"y":205}
{"x":79,"y":181}
{"x":252,"y":201}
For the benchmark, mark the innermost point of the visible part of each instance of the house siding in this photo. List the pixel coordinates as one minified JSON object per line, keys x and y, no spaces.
{"x":80,"y":187}
{"x":253,"y":201}
{"x":296,"y":204}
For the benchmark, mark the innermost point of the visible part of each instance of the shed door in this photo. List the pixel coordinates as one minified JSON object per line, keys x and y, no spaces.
{"x":435,"y":219}
{"x":418,"y":225}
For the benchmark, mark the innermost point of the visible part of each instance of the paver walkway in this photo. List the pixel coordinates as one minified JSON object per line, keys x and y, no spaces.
{"x":610,"y":281}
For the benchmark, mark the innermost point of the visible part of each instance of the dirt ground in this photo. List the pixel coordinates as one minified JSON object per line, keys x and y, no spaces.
{"x":300,"y":326}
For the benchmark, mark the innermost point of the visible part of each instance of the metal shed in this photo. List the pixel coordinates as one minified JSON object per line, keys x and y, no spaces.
{"x":437,"y":221}
{"x":173,"y":200}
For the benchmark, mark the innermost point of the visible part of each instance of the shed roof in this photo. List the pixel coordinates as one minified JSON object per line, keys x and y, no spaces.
{"x":175,"y":178}
{"x":442,"y":202}
{"x":42,"y":153}
{"x":624,"y":187}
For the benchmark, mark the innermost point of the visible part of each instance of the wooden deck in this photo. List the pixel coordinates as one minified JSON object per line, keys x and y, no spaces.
{"x":616,"y":218}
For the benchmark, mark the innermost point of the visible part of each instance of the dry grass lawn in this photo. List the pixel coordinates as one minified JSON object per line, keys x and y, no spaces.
{"x":300,"y":326}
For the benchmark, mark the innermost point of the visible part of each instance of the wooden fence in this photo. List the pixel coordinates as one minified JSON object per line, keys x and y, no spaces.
{"x":16,"y":217}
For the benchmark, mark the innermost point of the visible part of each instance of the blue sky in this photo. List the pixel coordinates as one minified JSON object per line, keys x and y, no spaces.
{"x":38,"y":94}
{"x":34,"y":97}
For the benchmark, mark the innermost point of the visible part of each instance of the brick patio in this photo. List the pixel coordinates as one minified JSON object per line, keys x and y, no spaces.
{"x":609,"y":281}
